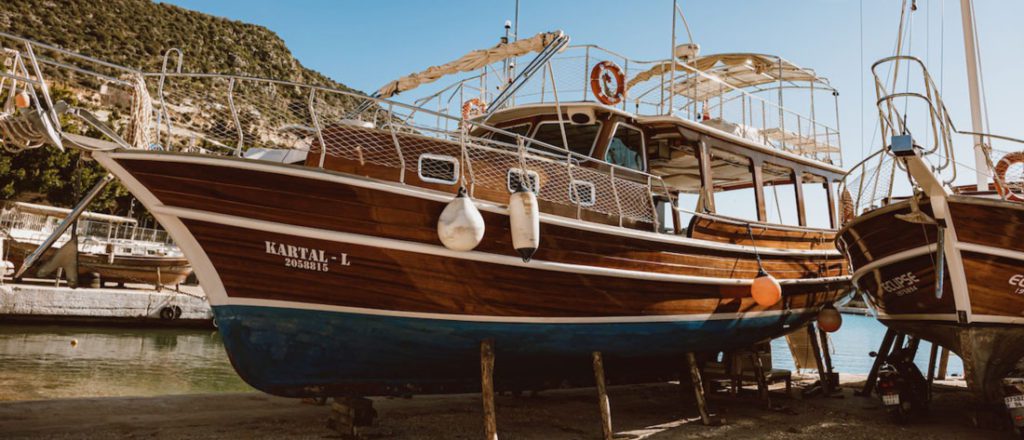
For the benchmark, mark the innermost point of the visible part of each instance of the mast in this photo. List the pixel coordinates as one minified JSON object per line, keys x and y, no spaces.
{"x":980,"y":164}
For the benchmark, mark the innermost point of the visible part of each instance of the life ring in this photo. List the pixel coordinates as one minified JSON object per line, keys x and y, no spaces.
{"x":601,"y":77}
{"x":473,"y":108}
{"x":847,"y":211}
{"x":1001,"y":168}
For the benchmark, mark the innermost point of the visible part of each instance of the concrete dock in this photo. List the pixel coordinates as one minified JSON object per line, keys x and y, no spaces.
{"x":132,"y":304}
{"x":660,"y":411}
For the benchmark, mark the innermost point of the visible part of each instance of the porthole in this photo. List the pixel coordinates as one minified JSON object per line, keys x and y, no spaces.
{"x":514,"y":176}
{"x":436,"y":168}
{"x":582,"y":193}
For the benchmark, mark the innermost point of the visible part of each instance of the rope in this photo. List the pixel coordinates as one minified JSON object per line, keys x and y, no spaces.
{"x":141,"y":113}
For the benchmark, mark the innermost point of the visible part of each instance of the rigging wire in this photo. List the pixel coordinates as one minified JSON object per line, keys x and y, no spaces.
{"x":861,"y":69}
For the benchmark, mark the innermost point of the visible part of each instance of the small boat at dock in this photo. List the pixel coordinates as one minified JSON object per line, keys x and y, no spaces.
{"x":114,"y":248}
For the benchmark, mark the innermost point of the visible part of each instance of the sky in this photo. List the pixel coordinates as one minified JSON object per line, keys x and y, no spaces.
{"x":367,"y":43}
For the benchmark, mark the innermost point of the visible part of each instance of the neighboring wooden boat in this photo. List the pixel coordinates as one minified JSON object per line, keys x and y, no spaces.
{"x":945,"y":263}
{"x":328,"y":276}
{"x":112,"y":247}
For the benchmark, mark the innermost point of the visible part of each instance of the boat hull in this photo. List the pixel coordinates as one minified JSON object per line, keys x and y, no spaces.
{"x":325,"y":284}
{"x":297,"y":352}
{"x":978,"y":309}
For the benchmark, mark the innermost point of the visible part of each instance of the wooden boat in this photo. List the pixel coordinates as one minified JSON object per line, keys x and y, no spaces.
{"x":943,"y":264}
{"x":112,"y":247}
{"x":328,"y":276}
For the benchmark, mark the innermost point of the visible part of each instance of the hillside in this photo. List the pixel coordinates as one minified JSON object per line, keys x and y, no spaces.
{"x":133,"y":33}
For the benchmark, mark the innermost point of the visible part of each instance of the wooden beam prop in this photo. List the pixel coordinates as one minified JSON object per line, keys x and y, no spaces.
{"x":816,"y":348}
{"x":833,"y":382}
{"x":602,"y":397}
{"x":698,"y":389}
{"x":943,"y":362}
{"x":487,"y":389}
{"x":880,"y":355}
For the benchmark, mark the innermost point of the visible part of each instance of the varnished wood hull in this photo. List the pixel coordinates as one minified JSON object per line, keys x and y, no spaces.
{"x":155,"y":270}
{"x":325,"y":283}
{"x":980,"y":311}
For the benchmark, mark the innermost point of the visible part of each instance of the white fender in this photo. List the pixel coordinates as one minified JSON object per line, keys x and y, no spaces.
{"x":460,"y":226}
{"x":525,"y":219}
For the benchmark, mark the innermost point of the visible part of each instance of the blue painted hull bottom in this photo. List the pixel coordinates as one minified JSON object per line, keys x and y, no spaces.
{"x":298,"y":353}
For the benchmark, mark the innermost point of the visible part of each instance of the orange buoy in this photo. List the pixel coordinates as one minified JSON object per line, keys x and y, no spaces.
{"x":22,"y":100}
{"x":765,"y":289}
{"x":829,"y":319}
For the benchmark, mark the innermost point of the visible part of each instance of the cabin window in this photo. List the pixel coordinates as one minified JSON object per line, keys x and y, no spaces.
{"x":686,"y":203}
{"x":626,"y":148}
{"x":581,"y":137}
{"x":582,"y":193}
{"x":514,"y":176}
{"x":736,"y":195}
{"x":521,"y":130}
{"x":435,"y":168}
{"x":780,"y":195}
{"x":816,"y":201}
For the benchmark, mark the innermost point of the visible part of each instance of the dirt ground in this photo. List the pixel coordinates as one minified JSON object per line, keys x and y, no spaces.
{"x":660,"y":411}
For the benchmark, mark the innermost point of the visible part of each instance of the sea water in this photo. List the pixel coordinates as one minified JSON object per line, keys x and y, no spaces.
{"x":46,"y":362}
{"x":849,"y":347}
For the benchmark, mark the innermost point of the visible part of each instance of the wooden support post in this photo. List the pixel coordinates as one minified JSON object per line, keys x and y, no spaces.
{"x":349,"y":413}
{"x":798,"y":189}
{"x":822,"y":377}
{"x":707,"y":185}
{"x":833,"y":379}
{"x":762,"y":382}
{"x":931,"y":368}
{"x":943,"y":362}
{"x":830,"y":198}
{"x":698,"y":389}
{"x":756,"y":172}
{"x":487,"y":389}
{"x":883,"y":351}
{"x":602,"y":397}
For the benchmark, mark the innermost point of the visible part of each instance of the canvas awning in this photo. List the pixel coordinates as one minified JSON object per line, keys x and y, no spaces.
{"x":723,"y":72}
{"x":469,"y":62}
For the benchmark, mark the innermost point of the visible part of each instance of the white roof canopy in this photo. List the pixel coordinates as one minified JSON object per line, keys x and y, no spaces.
{"x":469,"y":62}
{"x":723,"y":73}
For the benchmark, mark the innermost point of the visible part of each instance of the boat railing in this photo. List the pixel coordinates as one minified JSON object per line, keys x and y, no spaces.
{"x":35,"y":227}
{"x":900,"y":113}
{"x":869,"y":183}
{"x":232,"y":114}
{"x":745,"y":112}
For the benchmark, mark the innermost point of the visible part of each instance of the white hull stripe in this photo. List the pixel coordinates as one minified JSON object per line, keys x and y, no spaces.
{"x":406,"y":190}
{"x":892,"y":259}
{"x":991,"y":250}
{"x":696,"y":317}
{"x":923,"y":250}
{"x":423,"y":248}
{"x":951,"y":318}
